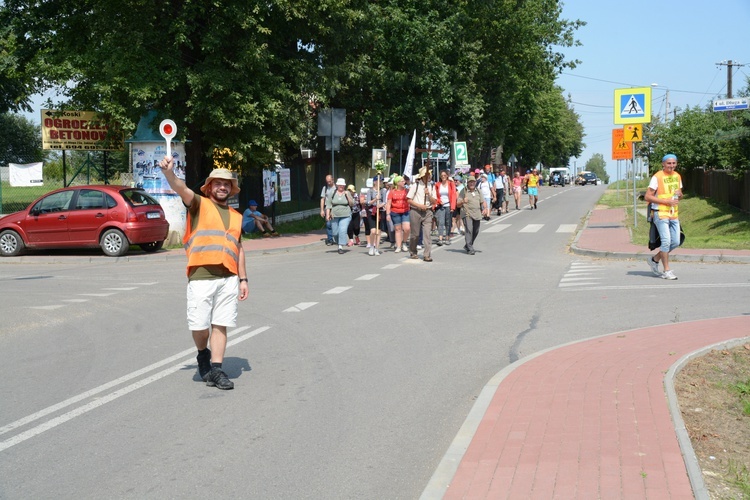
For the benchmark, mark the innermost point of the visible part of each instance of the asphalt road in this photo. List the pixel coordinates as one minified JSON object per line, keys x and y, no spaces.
{"x":352,"y":373}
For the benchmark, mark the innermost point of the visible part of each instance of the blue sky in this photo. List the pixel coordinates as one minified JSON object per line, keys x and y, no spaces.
{"x":634,"y":43}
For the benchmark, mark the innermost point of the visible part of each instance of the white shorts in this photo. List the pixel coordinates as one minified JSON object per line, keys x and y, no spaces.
{"x":212,"y":302}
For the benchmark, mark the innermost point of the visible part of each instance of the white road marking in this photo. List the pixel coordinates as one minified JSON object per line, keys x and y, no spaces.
{"x":666,"y":286}
{"x":300,"y":307}
{"x":95,"y":294}
{"x":75,"y":300}
{"x":496,"y":228}
{"x":366,"y":277}
{"x":122,"y":289}
{"x":566,"y":228}
{"x":50,"y":424}
{"x":143,"y":284}
{"x":47,"y":308}
{"x":338,"y":289}
{"x":531,"y":228}
{"x":391,"y":266}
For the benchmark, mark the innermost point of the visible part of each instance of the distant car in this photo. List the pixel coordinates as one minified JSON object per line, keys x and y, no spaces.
{"x":109,"y":217}
{"x":588,"y":178}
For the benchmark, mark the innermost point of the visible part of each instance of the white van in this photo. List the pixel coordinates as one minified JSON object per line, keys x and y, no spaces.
{"x":564,"y":173}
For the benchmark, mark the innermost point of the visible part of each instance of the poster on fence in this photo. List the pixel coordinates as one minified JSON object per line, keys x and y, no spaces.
{"x":24,"y":175}
{"x":148,"y":176}
{"x":285,"y":185}
{"x":269,"y":187}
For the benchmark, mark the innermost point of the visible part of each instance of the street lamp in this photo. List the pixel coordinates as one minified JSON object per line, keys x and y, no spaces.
{"x":666,"y":100}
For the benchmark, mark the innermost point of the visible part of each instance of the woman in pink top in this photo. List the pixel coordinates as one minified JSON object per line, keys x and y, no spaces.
{"x":517,"y":183}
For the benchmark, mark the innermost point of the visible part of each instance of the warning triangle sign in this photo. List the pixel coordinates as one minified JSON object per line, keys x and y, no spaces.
{"x":632,"y":107}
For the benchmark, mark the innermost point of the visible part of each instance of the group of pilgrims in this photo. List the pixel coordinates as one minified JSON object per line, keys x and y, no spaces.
{"x":409,"y":212}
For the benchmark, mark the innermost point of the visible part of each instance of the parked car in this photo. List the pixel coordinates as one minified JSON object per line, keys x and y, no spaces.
{"x":109,"y":217}
{"x":588,"y":178}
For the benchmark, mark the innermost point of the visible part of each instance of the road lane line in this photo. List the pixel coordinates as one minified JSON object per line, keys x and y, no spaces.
{"x":366,"y":277}
{"x":531,"y":228}
{"x":300,"y":307}
{"x":96,"y":390}
{"x":51,"y":424}
{"x":338,"y":289}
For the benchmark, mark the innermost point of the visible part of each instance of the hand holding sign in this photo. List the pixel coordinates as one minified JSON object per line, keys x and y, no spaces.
{"x":168,"y":129}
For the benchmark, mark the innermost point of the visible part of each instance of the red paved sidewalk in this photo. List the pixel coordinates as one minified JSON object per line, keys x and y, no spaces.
{"x":585,"y":420}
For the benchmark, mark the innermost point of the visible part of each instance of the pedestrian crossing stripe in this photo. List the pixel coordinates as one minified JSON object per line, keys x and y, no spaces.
{"x":632,"y":105}
{"x":530,"y":228}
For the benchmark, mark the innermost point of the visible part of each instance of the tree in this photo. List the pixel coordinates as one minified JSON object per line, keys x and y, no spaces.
{"x":597,"y":165}
{"x":250,"y":75}
{"x":20,"y":140}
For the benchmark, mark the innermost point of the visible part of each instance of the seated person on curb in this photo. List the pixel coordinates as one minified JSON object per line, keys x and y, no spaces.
{"x":253,"y":220}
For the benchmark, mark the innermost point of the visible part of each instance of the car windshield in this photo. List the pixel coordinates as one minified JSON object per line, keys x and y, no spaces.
{"x":138,"y":198}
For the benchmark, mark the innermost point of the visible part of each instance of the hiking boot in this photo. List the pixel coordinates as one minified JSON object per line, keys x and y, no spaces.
{"x":669,"y":275}
{"x":266,"y":235}
{"x":275,"y":234}
{"x":217,"y":378}
{"x":204,"y":363}
{"x":654,"y":266}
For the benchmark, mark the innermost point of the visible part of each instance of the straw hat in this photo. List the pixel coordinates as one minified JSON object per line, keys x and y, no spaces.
{"x":422,"y":172}
{"x":221,"y":173}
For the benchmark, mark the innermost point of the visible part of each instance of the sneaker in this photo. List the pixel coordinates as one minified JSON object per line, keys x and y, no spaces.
{"x":376,"y":252}
{"x":439,"y":243}
{"x":204,"y":363}
{"x":669,"y":275}
{"x":275,"y":234}
{"x":371,"y":251}
{"x":350,"y":244}
{"x":404,"y":247}
{"x":419,"y":247}
{"x":266,"y":235}
{"x":329,"y":242}
{"x":398,"y":250}
{"x":447,"y":242}
{"x":217,"y":378}
{"x":654,"y":266}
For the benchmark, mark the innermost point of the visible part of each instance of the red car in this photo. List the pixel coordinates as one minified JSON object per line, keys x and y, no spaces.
{"x":110,"y":217}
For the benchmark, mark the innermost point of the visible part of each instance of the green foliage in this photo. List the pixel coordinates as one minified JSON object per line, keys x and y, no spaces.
{"x":597,"y":165}
{"x":700,"y":138}
{"x":20,"y":140}
{"x":250,"y":76}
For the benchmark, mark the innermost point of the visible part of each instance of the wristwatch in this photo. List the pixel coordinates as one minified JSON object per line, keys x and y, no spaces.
{"x":243,"y":279}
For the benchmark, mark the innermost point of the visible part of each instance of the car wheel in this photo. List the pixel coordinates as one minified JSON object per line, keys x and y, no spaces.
{"x":114,"y":243}
{"x":11,"y":243}
{"x":152,"y":247}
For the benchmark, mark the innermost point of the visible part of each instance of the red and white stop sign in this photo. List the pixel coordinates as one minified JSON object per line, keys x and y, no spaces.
{"x":168,"y":130}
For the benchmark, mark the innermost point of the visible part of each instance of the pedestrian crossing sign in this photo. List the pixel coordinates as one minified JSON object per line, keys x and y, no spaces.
{"x":633,"y":105}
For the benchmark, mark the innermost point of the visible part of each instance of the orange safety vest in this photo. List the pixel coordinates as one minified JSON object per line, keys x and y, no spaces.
{"x":665,"y":190}
{"x":209,"y":244}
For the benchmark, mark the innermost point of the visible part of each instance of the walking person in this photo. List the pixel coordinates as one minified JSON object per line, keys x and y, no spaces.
{"x":397,"y":213}
{"x":446,"y":194}
{"x":517,"y":183}
{"x":354,"y":226}
{"x":664,"y":194}
{"x":339,"y":212}
{"x":217,"y":278}
{"x":373,"y":203}
{"x":422,"y":198}
{"x":532,"y":187}
{"x":472,"y":206}
{"x":327,"y":190}
{"x":500,"y":191}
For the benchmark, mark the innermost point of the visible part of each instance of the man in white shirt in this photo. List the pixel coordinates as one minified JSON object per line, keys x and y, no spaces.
{"x":422,"y":198}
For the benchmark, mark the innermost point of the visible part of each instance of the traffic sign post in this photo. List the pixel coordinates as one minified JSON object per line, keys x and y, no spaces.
{"x":168,"y":130}
{"x":633,"y":105}
{"x":633,"y":133}
{"x":621,"y":149}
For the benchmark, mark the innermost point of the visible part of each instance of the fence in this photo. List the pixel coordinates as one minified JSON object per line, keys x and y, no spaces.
{"x":720,"y":186}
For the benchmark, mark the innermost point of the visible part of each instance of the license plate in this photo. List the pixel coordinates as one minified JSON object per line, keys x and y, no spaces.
{"x":152,"y":215}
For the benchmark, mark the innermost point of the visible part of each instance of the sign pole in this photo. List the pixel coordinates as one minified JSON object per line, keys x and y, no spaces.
{"x":635,"y":200}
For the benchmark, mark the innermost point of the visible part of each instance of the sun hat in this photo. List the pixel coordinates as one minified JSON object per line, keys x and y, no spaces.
{"x":340,"y":181}
{"x":422,"y":172}
{"x":221,"y":173}
{"x":252,"y":203}
{"x":471,"y":178}
{"x":387,"y":180}
{"x":351,"y":188}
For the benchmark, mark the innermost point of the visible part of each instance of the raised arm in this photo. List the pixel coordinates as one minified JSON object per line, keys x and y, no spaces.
{"x":177,"y":184}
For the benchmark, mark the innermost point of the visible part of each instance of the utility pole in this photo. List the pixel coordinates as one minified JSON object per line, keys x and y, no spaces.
{"x":729,"y":64}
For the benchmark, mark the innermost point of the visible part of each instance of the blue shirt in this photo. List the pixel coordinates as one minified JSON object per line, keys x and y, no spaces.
{"x":248,"y":222}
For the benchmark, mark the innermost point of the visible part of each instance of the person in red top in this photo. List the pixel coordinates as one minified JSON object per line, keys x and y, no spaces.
{"x":397,"y":211}
{"x":217,"y":277}
{"x":446,"y":195}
